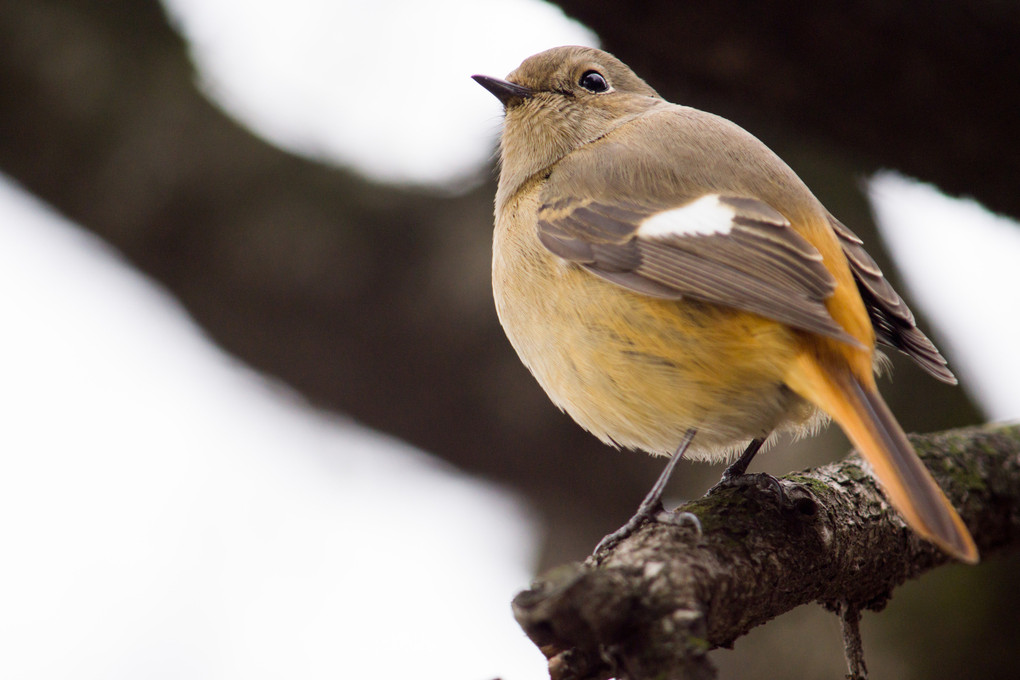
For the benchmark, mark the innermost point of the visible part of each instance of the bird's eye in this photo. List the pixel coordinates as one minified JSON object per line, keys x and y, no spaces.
{"x":593,"y":81}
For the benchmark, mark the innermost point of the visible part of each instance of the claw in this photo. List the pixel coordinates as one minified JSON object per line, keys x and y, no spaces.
{"x":644,"y":514}
{"x":760,"y":480}
{"x":679,"y":519}
{"x":651,"y":506}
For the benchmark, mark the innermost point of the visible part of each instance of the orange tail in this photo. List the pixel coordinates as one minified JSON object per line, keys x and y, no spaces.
{"x":871,"y":426}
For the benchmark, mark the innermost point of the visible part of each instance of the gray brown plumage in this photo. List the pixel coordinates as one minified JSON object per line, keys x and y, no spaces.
{"x":661,"y":271}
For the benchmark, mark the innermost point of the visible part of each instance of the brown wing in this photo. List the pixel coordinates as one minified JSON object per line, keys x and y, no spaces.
{"x":894,"y":323}
{"x":755,"y":261}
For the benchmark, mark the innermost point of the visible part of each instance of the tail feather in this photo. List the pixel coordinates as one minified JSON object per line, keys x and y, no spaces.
{"x":871,"y":426}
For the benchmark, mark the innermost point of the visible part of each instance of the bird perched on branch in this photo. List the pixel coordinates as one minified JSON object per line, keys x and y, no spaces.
{"x":675,"y":287}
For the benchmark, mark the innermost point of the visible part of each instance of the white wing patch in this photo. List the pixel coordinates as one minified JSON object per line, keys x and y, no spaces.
{"x":703,"y":217}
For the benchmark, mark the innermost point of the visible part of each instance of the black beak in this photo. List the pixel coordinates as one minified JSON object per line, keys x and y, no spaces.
{"x":506,"y":92}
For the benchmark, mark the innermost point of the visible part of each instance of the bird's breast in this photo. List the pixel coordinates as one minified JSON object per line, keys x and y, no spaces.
{"x":638,"y":371}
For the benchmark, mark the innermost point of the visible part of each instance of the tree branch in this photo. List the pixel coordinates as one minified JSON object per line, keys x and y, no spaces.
{"x":655,"y":604}
{"x":859,"y":80}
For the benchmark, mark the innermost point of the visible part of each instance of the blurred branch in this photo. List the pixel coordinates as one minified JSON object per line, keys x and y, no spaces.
{"x":898,"y":84}
{"x":368,"y":298}
{"x":653,"y":606}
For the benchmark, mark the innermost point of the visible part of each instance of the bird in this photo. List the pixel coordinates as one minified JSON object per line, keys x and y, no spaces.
{"x":675,"y":287}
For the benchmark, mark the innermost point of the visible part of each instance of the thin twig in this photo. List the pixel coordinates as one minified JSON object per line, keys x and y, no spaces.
{"x":853,"y":648}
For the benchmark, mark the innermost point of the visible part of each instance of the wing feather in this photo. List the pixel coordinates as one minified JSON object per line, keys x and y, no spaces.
{"x":754,"y":261}
{"x":893,"y":321}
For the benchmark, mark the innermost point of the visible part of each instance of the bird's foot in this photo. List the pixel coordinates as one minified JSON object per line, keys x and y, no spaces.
{"x":759,"y":481}
{"x":651,"y":513}
{"x":651,"y":507}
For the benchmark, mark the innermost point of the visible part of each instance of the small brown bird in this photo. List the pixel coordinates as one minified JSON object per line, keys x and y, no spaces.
{"x":670,"y":281}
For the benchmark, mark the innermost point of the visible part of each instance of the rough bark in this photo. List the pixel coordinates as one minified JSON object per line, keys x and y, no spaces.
{"x":655,"y":604}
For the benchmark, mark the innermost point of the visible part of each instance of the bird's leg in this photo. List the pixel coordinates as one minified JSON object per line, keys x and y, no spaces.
{"x":737,"y":475}
{"x":651,"y":507}
{"x":739,"y":467}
